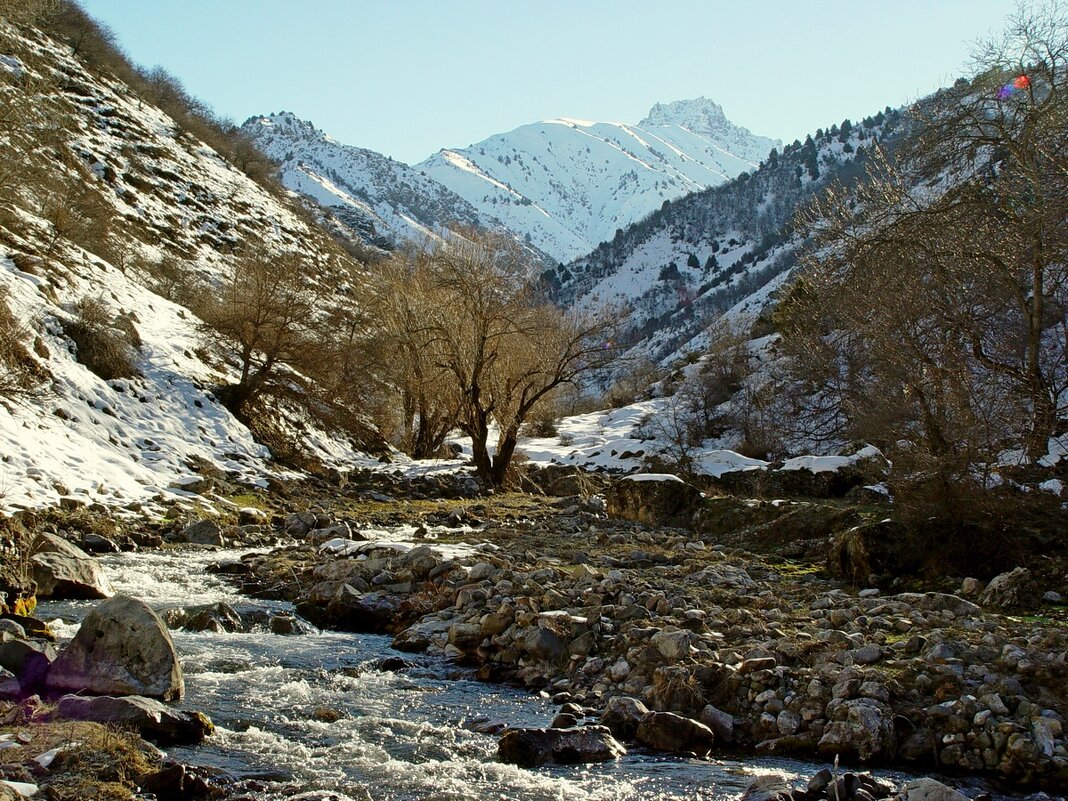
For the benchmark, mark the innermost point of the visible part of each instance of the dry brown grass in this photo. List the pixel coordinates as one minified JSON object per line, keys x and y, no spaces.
{"x":99,"y":762}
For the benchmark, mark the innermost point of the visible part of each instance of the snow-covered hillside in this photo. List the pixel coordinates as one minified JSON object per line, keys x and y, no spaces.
{"x":725,"y":250}
{"x":159,"y":193}
{"x":570,"y":184}
{"x":386,"y":200}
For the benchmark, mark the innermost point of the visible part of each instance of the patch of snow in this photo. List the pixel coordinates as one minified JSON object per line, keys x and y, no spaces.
{"x":829,"y":464}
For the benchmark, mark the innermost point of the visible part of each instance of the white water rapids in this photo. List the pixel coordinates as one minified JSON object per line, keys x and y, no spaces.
{"x":397,"y":737}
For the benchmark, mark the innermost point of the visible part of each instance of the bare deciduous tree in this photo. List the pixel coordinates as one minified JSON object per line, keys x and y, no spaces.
{"x":265,"y":313}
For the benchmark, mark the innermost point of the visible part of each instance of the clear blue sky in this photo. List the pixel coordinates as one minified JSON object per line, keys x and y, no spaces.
{"x":407,"y":77}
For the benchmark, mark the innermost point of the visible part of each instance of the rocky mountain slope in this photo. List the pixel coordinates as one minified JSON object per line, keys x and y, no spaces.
{"x":110,"y":204}
{"x":385,"y":201}
{"x":724,"y":250}
{"x":570,"y":184}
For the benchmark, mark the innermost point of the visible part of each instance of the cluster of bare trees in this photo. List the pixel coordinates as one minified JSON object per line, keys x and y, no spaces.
{"x":932,"y":313}
{"x":473,"y":345}
{"x":450,"y":336}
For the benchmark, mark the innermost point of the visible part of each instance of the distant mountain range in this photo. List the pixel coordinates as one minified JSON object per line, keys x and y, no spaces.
{"x":562,"y":185}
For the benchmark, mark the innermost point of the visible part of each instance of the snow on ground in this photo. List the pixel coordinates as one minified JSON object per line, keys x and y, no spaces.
{"x":830,"y":464}
{"x":130,"y":441}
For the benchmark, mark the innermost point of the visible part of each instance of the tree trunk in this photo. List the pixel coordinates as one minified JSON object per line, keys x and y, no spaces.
{"x":505,"y":449}
{"x":478,"y":429}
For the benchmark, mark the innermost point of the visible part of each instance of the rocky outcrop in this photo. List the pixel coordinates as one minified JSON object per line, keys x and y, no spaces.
{"x":530,"y":747}
{"x":154,"y":720}
{"x":121,"y":648}
{"x":62,"y":570}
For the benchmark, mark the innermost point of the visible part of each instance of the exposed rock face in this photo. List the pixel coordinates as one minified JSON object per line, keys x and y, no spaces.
{"x":666,"y":731}
{"x":530,"y":747}
{"x":152,"y":719}
{"x":122,"y":648}
{"x":62,"y":570}
{"x":862,"y":729}
{"x":653,"y":499}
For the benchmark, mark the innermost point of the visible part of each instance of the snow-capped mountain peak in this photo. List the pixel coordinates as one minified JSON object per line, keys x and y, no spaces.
{"x":706,"y":118}
{"x":570,"y":183}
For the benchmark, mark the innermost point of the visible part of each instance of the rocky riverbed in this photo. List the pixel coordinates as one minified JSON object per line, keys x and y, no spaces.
{"x":643,"y":637}
{"x":709,"y":648}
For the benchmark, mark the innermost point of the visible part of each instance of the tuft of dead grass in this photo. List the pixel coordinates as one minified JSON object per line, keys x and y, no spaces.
{"x":104,"y":763}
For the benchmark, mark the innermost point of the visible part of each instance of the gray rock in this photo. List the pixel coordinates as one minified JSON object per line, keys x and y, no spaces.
{"x":721,"y":723}
{"x":666,"y":731}
{"x":27,"y":660}
{"x":768,"y":788}
{"x":1011,"y":590}
{"x":788,"y":722}
{"x":545,"y":644}
{"x":530,"y":747}
{"x":862,"y":729}
{"x":930,"y":790}
{"x":622,"y":715}
{"x":65,"y":571}
{"x":121,"y":648}
{"x":1046,"y":731}
{"x":218,"y":617}
{"x":868,"y":654}
{"x":95,"y":543}
{"x":11,"y":629}
{"x":153,"y":720}
{"x":203,"y":532}
{"x":672,"y":645}
{"x":298,"y":524}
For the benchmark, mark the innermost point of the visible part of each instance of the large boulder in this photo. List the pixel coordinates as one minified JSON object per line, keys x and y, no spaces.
{"x":122,"y":648}
{"x":154,"y":720}
{"x":862,"y":729}
{"x":544,"y":644}
{"x":62,"y":570}
{"x":666,"y":731}
{"x":1016,"y":589}
{"x":530,"y":747}
{"x":203,"y":532}
{"x":654,"y":499}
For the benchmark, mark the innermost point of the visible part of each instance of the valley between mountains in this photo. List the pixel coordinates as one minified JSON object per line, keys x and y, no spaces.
{"x":591,"y":460}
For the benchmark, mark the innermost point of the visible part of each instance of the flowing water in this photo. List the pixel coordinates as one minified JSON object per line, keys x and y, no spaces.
{"x":397,"y":736}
